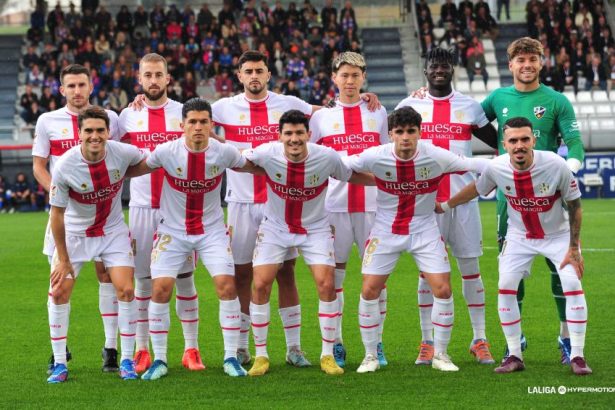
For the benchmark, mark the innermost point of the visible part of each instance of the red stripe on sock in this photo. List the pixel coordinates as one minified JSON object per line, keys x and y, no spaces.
{"x":158,"y":332}
{"x":128,"y":334}
{"x":426,"y":305}
{"x":339,"y":290}
{"x":369,"y":327}
{"x":145,"y":298}
{"x":55,"y":339}
{"x":244,"y":331}
{"x":108,"y":314}
{"x":328,"y":341}
{"x":189,"y":321}
{"x":383,"y":313}
{"x":468,"y":277}
{"x":260,"y":345}
{"x":476,"y":305}
{"x":511,"y":323}
{"x":186,"y":297}
{"x":260,"y":324}
{"x":328,"y":314}
{"x":230,"y":328}
{"x":442,"y":325}
{"x":507,"y":292}
{"x":576,"y":321}
{"x":574,"y":293}
{"x":142,"y":320}
{"x":292,"y":326}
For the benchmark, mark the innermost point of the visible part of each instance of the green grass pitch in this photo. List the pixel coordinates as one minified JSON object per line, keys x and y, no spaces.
{"x":24,"y":347}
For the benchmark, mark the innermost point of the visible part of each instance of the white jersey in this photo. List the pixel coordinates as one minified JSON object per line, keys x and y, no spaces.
{"x":349,"y":129}
{"x":534,"y":196}
{"x":146,"y":129}
{"x":448,"y":122}
{"x":297,"y":190}
{"x":407,"y":188}
{"x":248,"y":124}
{"x":191,"y":190}
{"x":58,"y":131}
{"x":91,"y":192}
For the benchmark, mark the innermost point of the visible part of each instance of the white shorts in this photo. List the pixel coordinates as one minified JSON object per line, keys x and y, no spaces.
{"x":461,"y":229}
{"x":173,"y":250}
{"x":349,"y":228}
{"x":518,"y":253}
{"x":112,"y":249}
{"x":272,"y":247}
{"x":243,"y":222}
{"x":427,"y":248}
{"x":143,"y":224}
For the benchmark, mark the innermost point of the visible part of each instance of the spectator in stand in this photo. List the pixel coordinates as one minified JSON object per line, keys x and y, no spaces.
{"x":102,"y":46}
{"x":188,"y":85}
{"x":448,"y":14}
{"x":486,"y":23}
{"x":3,"y":194}
{"x":140,"y":19}
{"x":550,"y":75}
{"x":568,"y":76}
{"x":223,"y":85}
{"x":37,"y":25}
{"x":47,"y":97}
{"x":157,"y":18}
{"x":118,"y":99}
{"x":472,"y":31}
{"x":317,"y":94}
{"x":611,"y":71}
{"x":290,"y":88}
{"x":294,"y":67}
{"x":21,"y":193}
{"x":65,"y":54}
{"x":595,"y":74}
{"x":40,"y":198}
{"x":504,"y":4}
{"x":461,"y":48}
{"x":28,"y":97}
{"x":327,"y":11}
{"x":30,"y":58}
{"x":32,"y":113}
{"x":54,"y":18}
{"x":205,"y":18}
{"x":476,"y":64}
{"x":103,"y":19}
{"x":35,"y":77}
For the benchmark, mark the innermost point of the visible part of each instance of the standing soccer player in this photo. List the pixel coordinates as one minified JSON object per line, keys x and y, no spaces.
{"x":449,"y":119}
{"x":350,"y":128}
{"x":192,"y":221}
{"x":295,"y":216}
{"x":157,"y":123}
{"x":87,"y":221}
{"x":408,"y":173}
{"x":56,"y":132}
{"x":534,"y":183}
{"x":552,"y":117}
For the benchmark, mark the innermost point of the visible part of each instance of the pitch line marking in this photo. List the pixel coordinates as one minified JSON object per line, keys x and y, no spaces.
{"x":583,"y":249}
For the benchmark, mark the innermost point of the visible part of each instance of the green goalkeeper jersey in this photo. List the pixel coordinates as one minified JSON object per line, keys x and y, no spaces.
{"x":549,"y":111}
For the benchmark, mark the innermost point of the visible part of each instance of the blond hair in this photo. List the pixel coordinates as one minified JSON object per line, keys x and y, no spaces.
{"x":153,"y":58}
{"x":524,"y":45}
{"x":350,"y":58}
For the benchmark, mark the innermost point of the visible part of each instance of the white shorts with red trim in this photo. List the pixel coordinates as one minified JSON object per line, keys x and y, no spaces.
{"x":113,"y":250}
{"x":272,"y":247}
{"x":518,"y":253}
{"x":461,"y":229}
{"x":243,"y":221}
{"x":349,"y":228}
{"x":143,"y":223}
{"x":173,"y":250}
{"x":384,"y":249}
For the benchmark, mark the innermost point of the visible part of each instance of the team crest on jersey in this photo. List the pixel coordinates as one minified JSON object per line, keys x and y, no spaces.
{"x":84,"y":186}
{"x":140,"y":123}
{"x":179,"y":171}
{"x":336,"y":126}
{"x":175,"y":123}
{"x":424,"y":172}
{"x":278,"y":176}
{"x":64,"y":131}
{"x":424,"y":115}
{"x":242,"y":117}
{"x":459,"y":114}
{"x":314,"y":179}
{"x":214,"y":170}
{"x":507,"y":188}
{"x":539,"y":111}
{"x":371,"y":124}
{"x":115,"y":173}
{"x":388,"y":174}
{"x":275,"y":115}
{"x":543,"y":188}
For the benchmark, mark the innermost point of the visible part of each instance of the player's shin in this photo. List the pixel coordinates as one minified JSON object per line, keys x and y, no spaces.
{"x":576,"y":314}
{"x":58,"y":330}
{"x":382,"y":306}
{"x":127,"y":322}
{"x":291,"y":320}
{"x":159,"y":323}
{"x":187,"y":309}
{"x":143,"y":295}
{"x":259,"y":315}
{"x":339,"y":276}
{"x":425,"y":300}
{"x":369,"y":322}
{"x":510,"y":316}
{"x":442,"y":316}
{"x":230,"y":322}
{"x":108,"y":306}
{"x":328,"y":317}
{"x":474,"y":294}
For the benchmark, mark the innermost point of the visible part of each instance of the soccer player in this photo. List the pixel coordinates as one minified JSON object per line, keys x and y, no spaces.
{"x":56,"y":132}
{"x":408,"y":173}
{"x":552,"y":117}
{"x":192,"y":221}
{"x":294,"y":216}
{"x":534,"y":183}
{"x":86,"y":222}
{"x":349,"y":128}
{"x":147,"y":128}
{"x":449,"y":119}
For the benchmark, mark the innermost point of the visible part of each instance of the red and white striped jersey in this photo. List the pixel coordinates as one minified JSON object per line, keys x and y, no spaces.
{"x":91,"y":192}
{"x":190,"y":201}
{"x":58,"y":131}
{"x":297,"y":190}
{"x":448,"y":123}
{"x":146,"y":129}
{"x":248,"y":124}
{"x":535,"y":195}
{"x":349,"y":129}
{"x":407,"y":188}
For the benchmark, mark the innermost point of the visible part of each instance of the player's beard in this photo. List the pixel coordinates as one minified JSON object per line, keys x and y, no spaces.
{"x":256,"y":89}
{"x":155,"y":96}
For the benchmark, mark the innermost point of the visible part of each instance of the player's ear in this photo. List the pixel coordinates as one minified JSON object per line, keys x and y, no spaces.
{"x":182,"y":124}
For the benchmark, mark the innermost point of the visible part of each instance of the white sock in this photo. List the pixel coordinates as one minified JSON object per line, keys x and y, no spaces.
{"x":244,"y":335}
{"x":143,"y":294}
{"x":328,"y":317}
{"x":159,"y":323}
{"x":291,"y":320}
{"x":576,"y":315}
{"x":425,"y":298}
{"x":230,"y":322}
{"x":340,"y":275}
{"x":442,"y":316}
{"x":474,"y":294}
{"x":369,"y":322}
{"x":382,"y":305}
{"x":58,"y":330}
{"x":108,"y":306}
{"x":187,"y":309}
{"x":259,"y":316}
{"x":127,"y":321}
{"x":510,"y":318}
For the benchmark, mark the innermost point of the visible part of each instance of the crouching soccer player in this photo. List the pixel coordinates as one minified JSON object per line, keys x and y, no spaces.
{"x":87,"y":222}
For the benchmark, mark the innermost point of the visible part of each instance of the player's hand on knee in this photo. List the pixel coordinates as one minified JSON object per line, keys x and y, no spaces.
{"x":59,"y":272}
{"x":573,"y":257}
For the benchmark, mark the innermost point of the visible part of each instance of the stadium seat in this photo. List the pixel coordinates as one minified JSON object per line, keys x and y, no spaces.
{"x":493,"y":83}
{"x":490,"y":58}
{"x":488,"y":45}
{"x":477,"y":85}
{"x":463,"y":86}
{"x":571,"y":96}
{"x":607,"y":124}
{"x":600,"y":96}
{"x":479,"y":96}
{"x":603,"y":109}
{"x":575,"y":108}
{"x":584,"y":96}
{"x":462,"y":73}
{"x":493,"y":72}
{"x":587,"y":109}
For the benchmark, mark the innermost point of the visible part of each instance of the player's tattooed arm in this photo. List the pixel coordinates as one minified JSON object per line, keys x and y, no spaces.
{"x":487,"y":134}
{"x":468,"y":193}
{"x":573,"y":256}
{"x":61,"y":266}
{"x":140,"y":169}
{"x":362,"y":178}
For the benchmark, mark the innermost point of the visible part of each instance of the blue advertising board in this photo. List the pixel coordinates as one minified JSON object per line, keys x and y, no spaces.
{"x":603,"y":164}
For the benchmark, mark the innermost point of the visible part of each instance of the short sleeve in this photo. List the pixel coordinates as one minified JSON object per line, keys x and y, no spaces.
{"x":121,"y":124}
{"x":41,"y":146}
{"x":485,"y":182}
{"x":58,"y":192}
{"x":135,"y":155}
{"x":359,"y":162}
{"x":568,"y":186}
{"x":384,"y":127}
{"x":340,"y":170}
{"x":233,"y":156}
{"x":298,"y":104}
{"x":257,"y":155}
{"x":114,"y":126}
{"x":488,"y":108}
{"x":315,"y":133}
{"x":481,"y":118}
{"x":155,"y":158}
